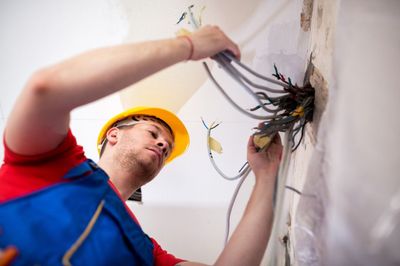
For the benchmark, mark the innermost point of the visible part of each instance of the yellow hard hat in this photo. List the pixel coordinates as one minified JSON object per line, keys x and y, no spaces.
{"x":181,"y":135}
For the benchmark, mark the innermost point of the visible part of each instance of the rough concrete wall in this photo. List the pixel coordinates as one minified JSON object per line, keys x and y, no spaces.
{"x":296,"y":235}
{"x":309,"y":213}
{"x":308,"y":210}
{"x":349,"y":212}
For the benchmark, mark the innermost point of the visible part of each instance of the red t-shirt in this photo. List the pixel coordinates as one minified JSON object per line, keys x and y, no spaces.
{"x":21,"y":175}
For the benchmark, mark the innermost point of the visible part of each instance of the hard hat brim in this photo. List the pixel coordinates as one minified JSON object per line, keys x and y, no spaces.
{"x":181,"y":135}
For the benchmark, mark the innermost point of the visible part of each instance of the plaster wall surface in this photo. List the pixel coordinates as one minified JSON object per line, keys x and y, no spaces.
{"x":307,"y":212}
{"x":350,"y":214}
{"x":363,"y":139}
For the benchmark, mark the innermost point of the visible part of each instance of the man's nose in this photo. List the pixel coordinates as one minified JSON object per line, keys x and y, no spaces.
{"x":163,"y":144}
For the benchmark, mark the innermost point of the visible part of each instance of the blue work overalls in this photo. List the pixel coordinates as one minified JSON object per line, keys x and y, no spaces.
{"x":45,"y":225}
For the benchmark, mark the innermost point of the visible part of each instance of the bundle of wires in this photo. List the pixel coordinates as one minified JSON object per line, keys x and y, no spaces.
{"x":287,"y":109}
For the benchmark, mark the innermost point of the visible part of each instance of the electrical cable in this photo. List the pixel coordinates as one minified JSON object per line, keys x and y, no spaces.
{"x":242,"y":170}
{"x":234,"y":59}
{"x":238,"y":186}
{"x":195,"y":24}
{"x":243,"y":173}
{"x":230,"y":99}
{"x":279,"y":192}
{"x":227,"y":68}
{"x":227,"y":57}
{"x":236,"y":76}
{"x":232,"y":202}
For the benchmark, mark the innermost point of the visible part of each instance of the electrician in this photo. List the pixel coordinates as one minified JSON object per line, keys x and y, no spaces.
{"x":58,"y":207}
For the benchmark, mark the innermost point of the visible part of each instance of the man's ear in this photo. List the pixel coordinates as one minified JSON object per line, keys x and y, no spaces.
{"x":112,"y":135}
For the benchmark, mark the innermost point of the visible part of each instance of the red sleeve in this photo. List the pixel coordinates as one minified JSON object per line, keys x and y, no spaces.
{"x":163,"y":258}
{"x":21,"y":175}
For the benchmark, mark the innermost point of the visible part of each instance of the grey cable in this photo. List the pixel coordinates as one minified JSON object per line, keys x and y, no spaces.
{"x":234,"y":59}
{"x":233,"y":199}
{"x":228,"y":68}
{"x":230,"y":178}
{"x":224,"y":56}
{"x":230,"y":99}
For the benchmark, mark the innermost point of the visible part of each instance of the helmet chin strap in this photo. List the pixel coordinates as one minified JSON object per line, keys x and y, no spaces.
{"x":137,"y":196}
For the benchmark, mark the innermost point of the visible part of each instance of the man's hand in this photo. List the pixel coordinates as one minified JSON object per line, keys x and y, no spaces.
{"x":207,"y":35}
{"x":265,"y":163}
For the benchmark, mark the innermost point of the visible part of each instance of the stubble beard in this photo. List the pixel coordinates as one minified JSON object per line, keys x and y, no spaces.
{"x":131,"y":160}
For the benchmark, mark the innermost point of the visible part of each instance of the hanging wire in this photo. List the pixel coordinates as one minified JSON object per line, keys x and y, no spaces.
{"x":243,"y":173}
{"x":287,"y":110}
{"x":230,"y":208}
{"x":242,"y":170}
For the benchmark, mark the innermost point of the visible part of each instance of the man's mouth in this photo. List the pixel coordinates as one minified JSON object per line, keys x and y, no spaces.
{"x":157,"y":152}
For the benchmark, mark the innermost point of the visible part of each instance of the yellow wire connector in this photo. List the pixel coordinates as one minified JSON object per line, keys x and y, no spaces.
{"x":261,"y":140}
{"x":299,"y":111}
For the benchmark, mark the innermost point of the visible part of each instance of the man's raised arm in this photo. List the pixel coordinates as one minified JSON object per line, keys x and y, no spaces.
{"x":39,"y":120}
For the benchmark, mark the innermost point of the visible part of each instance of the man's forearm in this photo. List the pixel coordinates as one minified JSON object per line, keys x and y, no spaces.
{"x":100,"y":72}
{"x":248,"y":242}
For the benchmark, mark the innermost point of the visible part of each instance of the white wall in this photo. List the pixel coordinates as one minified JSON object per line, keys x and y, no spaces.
{"x":353,"y":215}
{"x":363,"y":144}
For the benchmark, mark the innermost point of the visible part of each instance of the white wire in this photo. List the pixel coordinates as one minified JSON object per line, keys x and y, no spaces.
{"x":233,"y":199}
{"x":243,"y":173}
{"x":231,"y":71}
{"x":230,"y":99}
{"x":279,"y":219}
{"x":223,"y":59}
{"x":234,"y":59}
{"x":230,"y":178}
{"x":195,"y":23}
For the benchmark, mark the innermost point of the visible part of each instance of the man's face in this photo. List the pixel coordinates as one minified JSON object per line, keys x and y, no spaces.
{"x":144,"y":148}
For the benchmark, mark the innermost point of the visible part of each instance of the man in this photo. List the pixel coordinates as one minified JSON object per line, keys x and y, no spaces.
{"x":57,"y":207}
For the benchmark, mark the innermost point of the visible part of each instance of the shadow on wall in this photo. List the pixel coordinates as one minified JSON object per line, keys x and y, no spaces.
{"x":182,"y":80}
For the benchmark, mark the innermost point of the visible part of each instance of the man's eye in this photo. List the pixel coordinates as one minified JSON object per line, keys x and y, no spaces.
{"x":153,"y":134}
